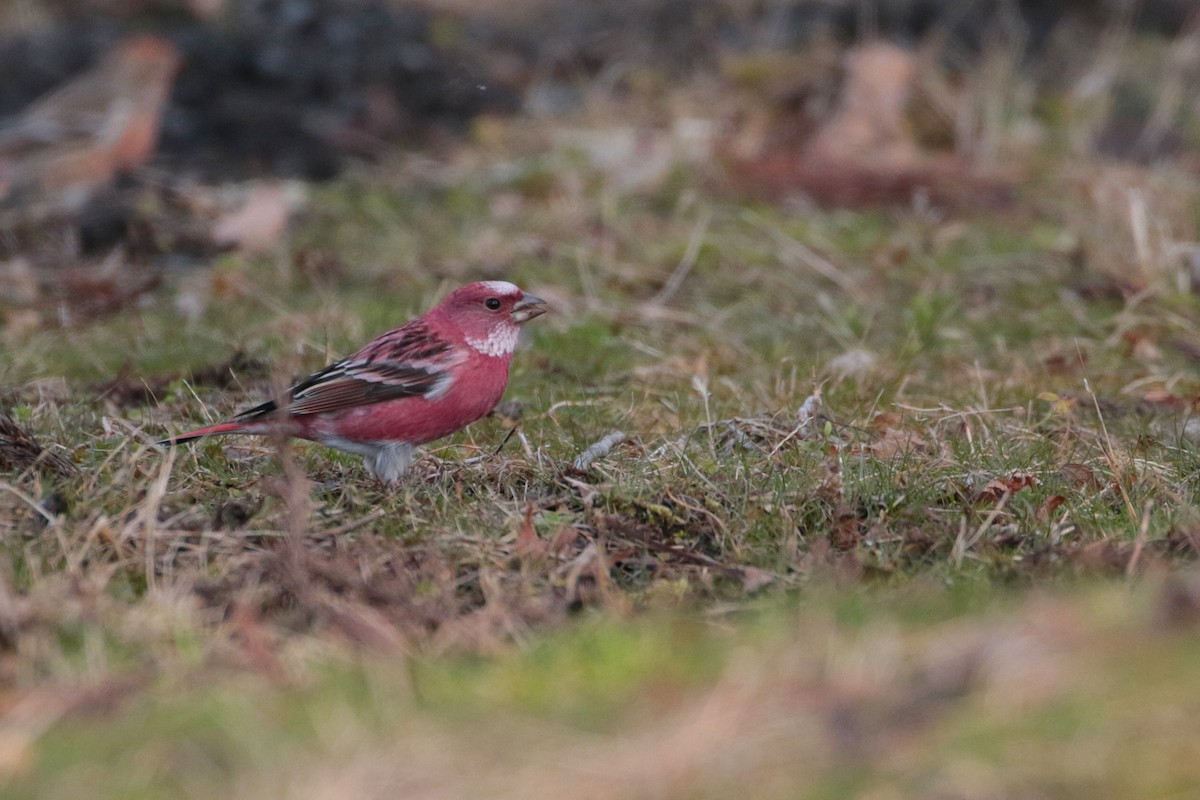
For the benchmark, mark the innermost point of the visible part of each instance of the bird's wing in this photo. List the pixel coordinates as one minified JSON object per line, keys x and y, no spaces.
{"x":73,"y":114}
{"x":408,"y":362}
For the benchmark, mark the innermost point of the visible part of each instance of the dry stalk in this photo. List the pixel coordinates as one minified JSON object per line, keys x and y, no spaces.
{"x":598,"y":449}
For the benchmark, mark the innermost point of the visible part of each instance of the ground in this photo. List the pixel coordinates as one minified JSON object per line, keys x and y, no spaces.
{"x":904,"y":506}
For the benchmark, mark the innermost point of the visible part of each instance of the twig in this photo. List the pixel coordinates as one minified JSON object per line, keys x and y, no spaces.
{"x":480,"y":459}
{"x":583,"y":461}
{"x":500,"y":446}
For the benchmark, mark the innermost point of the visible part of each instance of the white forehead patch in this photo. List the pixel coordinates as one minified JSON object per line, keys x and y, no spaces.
{"x":500,"y":287}
{"x":500,"y":341}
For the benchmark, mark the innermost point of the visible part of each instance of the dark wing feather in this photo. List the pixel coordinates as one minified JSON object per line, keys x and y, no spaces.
{"x":355,"y":383}
{"x":408,"y":362}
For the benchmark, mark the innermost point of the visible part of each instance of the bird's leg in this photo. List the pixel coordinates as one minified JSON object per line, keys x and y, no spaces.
{"x":390,"y":461}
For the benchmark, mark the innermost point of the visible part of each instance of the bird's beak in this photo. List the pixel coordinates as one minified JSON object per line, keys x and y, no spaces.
{"x":528,"y":307}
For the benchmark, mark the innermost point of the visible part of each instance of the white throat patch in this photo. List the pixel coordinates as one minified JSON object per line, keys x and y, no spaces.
{"x":501,"y":341}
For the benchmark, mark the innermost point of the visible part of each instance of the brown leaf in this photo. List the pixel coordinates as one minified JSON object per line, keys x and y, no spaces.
{"x":998,"y":487}
{"x":846,"y":533}
{"x":257,"y":223}
{"x":563,"y":540}
{"x":529,"y":545}
{"x":895,"y":442}
{"x":1046,"y":510}
{"x":1079,"y":476}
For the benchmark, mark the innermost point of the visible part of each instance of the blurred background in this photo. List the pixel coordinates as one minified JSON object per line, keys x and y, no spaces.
{"x":843,"y":103}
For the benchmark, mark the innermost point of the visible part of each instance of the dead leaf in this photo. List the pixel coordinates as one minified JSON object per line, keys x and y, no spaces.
{"x":529,"y":545}
{"x":998,"y":487}
{"x":1079,"y":476}
{"x":258,"y":223}
{"x":563,"y":540}
{"x":846,"y":533}
{"x":895,"y":442}
{"x":1046,"y":510}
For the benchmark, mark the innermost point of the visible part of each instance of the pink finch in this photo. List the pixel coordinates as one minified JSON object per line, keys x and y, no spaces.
{"x":422,"y":381}
{"x":71,"y":143}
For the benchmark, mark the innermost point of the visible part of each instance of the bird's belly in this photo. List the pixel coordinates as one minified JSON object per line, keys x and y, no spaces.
{"x":416,"y":420}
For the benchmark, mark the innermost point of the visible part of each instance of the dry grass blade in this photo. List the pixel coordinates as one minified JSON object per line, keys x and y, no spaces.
{"x":675,"y":281}
{"x":794,"y":253}
{"x":964,"y":542}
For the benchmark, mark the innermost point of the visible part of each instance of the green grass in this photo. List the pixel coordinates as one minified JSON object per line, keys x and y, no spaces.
{"x":844,"y":693}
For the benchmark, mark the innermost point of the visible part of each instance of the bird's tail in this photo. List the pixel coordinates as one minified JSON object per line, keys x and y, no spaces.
{"x":199,"y":433}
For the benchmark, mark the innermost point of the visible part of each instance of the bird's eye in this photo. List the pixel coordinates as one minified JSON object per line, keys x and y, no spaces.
{"x":493,"y":303}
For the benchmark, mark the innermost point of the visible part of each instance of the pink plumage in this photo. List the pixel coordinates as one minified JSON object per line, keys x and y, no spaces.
{"x":422,"y":381}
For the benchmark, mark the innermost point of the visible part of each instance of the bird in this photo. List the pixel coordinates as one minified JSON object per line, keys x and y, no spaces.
{"x":427,"y":379}
{"x":71,"y":143}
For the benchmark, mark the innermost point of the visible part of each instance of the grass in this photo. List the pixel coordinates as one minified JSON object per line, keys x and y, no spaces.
{"x":916,"y":692}
{"x":897,"y":596}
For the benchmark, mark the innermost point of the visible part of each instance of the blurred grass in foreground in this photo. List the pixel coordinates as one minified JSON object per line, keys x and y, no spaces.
{"x":1088,"y":692}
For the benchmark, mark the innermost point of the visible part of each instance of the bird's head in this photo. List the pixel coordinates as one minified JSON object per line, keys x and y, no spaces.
{"x":144,"y":64}
{"x":488,"y":314}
